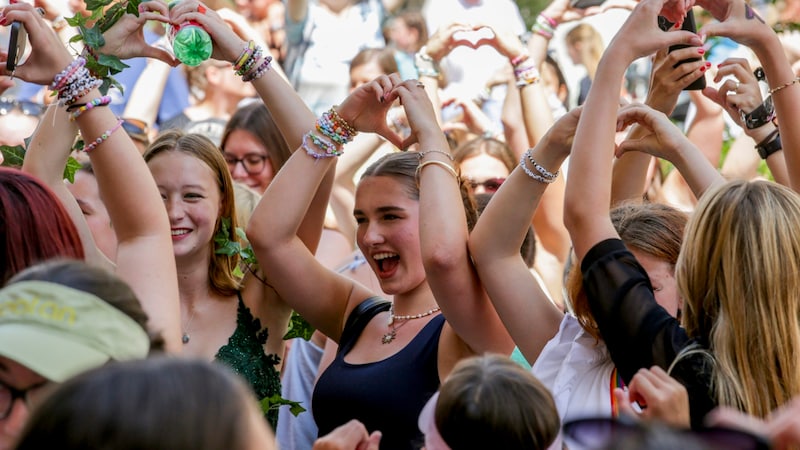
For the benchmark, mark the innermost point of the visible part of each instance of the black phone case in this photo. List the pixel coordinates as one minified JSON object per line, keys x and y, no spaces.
{"x":688,"y":25}
{"x":16,"y":45}
{"x":583,"y":4}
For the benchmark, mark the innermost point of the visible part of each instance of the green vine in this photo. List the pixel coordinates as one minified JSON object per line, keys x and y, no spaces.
{"x":14,"y":157}
{"x":298,"y":326}
{"x":103,"y":15}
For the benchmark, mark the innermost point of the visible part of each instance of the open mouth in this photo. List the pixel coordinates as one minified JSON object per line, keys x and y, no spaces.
{"x":387,"y":263}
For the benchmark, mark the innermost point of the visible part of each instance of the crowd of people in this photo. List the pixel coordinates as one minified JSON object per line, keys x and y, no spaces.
{"x":475,"y":251}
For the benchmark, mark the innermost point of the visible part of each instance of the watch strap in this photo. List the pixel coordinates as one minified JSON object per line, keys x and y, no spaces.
{"x":770,"y":144}
{"x":760,"y":116}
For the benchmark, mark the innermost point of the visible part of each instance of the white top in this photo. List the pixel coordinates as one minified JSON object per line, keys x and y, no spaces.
{"x":577,"y":370}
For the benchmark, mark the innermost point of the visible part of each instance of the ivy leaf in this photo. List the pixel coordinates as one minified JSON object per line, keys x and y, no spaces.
{"x":94,"y":38}
{"x":69,"y":170}
{"x":298,"y":327}
{"x":12,"y":156}
{"x":111,"y":16}
{"x":114,"y":64}
{"x":276,"y":401}
{"x":133,"y":7}
{"x":97,"y":4}
{"x":78,"y":20}
{"x":237,"y":272}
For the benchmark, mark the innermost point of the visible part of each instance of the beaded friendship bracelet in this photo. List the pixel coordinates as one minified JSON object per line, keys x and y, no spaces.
{"x":80,"y":109}
{"x":543,"y":176}
{"x":103,"y":137}
{"x":335,"y":128}
{"x":329,"y":149}
{"x":248,"y":51}
{"x":259,"y":71}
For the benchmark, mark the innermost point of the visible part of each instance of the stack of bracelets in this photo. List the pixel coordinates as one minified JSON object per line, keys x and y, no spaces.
{"x":525,"y":71}
{"x":448,"y":167}
{"x":544,"y":26}
{"x":74,"y":83}
{"x":250,"y":65}
{"x":328,"y":136}
{"x":544,"y":176}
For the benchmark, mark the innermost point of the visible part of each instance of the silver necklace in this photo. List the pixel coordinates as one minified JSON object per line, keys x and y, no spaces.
{"x":392,"y":334}
{"x":186,"y":337}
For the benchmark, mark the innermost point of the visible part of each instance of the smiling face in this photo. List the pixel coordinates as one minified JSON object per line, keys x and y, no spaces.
{"x":192,"y":197}
{"x":243,"y":145}
{"x":388,"y":233}
{"x":481,"y":168}
{"x":17,"y":376}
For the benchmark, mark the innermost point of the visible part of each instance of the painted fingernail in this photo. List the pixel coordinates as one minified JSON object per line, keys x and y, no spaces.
{"x":703,"y":68}
{"x":13,"y":1}
{"x":701,"y":50}
{"x":708,"y":64}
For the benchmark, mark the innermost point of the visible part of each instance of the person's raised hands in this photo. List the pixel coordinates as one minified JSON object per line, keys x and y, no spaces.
{"x":561,"y":11}
{"x":419,"y":111}
{"x":665,"y":139}
{"x":560,"y":136}
{"x":640,"y":35}
{"x":741,"y":94}
{"x":473,"y":118}
{"x":660,"y":397}
{"x":126,"y":38}
{"x":48,"y":55}
{"x":448,"y":37}
{"x":227,"y":44}
{"x":668,"y":78}
{"x":736,"y":20}
{"x":366,"y":107}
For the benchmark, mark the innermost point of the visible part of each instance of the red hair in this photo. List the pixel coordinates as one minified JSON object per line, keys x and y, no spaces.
{"x":34,"y":226}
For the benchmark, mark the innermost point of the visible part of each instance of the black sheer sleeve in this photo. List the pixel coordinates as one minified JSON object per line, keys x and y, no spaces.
{"x":638,"y":332}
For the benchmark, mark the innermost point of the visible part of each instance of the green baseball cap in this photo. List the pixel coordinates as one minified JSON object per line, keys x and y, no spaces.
{"x":59,"y":332}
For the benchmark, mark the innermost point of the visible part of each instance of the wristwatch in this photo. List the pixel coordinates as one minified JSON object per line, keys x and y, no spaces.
{"x":769,"y":145}
{"x":759,"y":116}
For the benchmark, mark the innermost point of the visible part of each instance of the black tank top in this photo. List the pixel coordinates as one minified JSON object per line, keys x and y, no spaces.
{"x":385,"y":395}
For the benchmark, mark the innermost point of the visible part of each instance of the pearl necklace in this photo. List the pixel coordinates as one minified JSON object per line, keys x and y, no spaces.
{"x":392,"y":334}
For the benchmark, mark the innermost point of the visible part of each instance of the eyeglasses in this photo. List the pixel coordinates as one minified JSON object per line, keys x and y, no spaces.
{"x":603,"y":433}
{"x":136,"y":129}
{"x":491,"y":185}
{"x":8,"y":395}
{"x":253,"y":163}
{"x":28,"y":108}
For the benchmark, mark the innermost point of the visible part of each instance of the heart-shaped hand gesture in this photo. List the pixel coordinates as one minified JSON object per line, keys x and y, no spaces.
{"x":126,"y":38}
{"x":365,"y":109}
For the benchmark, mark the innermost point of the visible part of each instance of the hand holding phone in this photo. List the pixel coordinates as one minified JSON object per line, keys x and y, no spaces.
{"x":16,"y":45}
{"x":688,"y":25}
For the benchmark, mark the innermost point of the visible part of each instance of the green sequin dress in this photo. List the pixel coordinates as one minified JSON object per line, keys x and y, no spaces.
{"x":244,"y":353}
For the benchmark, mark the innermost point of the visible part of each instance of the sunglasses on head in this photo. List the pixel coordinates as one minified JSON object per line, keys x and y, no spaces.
{"x":491,"y":185}
{"x":28,"y":108}
{"x":607,"y":433}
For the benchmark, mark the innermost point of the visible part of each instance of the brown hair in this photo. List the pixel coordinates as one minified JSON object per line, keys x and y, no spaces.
{"x":220,"y":267}
{"x":491,"y":402}
{"x":403,"y":167}
{"x":488,"y":146}
{"x":652,"y":228}
{"x":384,"y":57}
{"x":256,"y":119}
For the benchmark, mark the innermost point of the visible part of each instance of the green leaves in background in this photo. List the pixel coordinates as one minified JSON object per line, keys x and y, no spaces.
{"x":276,"y":401}
{"x":14,"y":156}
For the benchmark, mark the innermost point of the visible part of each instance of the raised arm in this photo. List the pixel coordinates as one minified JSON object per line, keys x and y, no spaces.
{"x":444,"y":234}
{"x":527,"y":313}
{"x":740,"y":22}
{"x":667,"y":80}
{"x":588,"y":193}
{"x":144,"y":254}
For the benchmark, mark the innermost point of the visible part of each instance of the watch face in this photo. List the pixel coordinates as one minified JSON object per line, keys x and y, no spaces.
{"x":759,"y":74}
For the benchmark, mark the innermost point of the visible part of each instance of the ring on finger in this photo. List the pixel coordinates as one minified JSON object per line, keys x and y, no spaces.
{"x":736,"y":87}
{"x":421,"y":85}
{"x":40,"y":10}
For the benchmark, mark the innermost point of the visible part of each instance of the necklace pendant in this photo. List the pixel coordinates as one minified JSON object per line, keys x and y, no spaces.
{"x":185,"y":338}
{"x":389,"y":337}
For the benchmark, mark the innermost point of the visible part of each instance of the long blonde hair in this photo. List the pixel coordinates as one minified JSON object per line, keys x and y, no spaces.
{"x":739,"y":276}
{"x":591,"y":46}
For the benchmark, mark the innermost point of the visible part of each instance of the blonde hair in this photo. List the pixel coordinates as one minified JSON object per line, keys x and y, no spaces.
{"x":591,"y":48}
{"x":739,"y":275}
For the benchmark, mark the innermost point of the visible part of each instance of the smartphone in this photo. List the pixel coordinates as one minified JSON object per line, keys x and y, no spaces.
{"x":16,"y":45}
{"x":583,"y":4}
{"x":688,"y":25}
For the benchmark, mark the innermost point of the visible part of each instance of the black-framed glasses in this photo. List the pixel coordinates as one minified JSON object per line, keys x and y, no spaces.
{"x":491,"y":185}
{"x":253,"y":163}
{"x":26,"y":107}
{"x":607,"y":433}
{"x":8,"y":395}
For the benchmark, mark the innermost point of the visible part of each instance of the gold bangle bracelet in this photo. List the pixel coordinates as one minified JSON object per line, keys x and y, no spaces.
{"x":441,"y":164}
